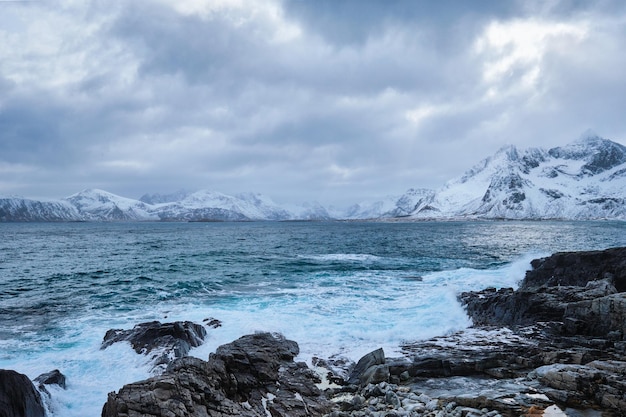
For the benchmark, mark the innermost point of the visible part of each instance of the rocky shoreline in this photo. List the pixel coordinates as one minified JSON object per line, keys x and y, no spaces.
{"x":555,"y":346}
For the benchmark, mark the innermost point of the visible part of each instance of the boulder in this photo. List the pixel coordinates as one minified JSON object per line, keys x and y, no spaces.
{"x":252,"y":376}
{"x":54,"y":377}
{"x":18,"y":396}
{"x":369,"y":368}
{"x":166,"y":341}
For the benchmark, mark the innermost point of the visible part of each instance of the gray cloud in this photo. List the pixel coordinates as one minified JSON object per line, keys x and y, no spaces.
{"x":335,"y":101}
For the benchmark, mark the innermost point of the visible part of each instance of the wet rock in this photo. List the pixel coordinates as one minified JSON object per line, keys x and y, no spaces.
{"x":165,"y":341}
{"x":577,"y":269}
{"x":597,"y":383}
{"x":252,"y":376}
{"x":362,"y":372}
{"x":597,"y":316}
{"x":54,"y":377}
{"x":584,"y":291}
{"x":18,"y":396}
{"x":212,"y":322}
{"x":336,"y":368}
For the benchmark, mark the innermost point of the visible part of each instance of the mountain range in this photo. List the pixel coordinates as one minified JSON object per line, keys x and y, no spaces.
{"x":583,"y":180}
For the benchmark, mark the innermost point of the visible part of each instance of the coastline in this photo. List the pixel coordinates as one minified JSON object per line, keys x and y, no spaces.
{"x":555,"y":346}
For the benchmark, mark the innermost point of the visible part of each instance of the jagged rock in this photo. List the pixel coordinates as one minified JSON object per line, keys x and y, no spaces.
{"x":582,"y":290}
{"x":598,"y":382}
{"x":252,"y":376}
{"x":577,"y":269}
{"x":369,"y":366}
{"x":212,"y":322}
{"x":167,"y":340}
{"x":583,"y":294}
{"x":54,"y":377}
{"x":18,"y":396}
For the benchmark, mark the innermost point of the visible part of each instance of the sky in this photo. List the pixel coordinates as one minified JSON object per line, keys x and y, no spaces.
{"x":334,"y":101}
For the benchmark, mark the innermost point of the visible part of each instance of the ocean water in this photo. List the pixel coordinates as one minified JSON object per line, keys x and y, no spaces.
{"x":337,"y":288}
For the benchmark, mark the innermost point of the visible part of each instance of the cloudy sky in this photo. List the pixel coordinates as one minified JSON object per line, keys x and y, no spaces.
{"x":336,"y":101}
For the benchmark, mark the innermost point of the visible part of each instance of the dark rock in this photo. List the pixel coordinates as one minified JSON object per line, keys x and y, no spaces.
{"x":211,"y":322}
{"x":581,"y":290}
{"x":514,"y":308}
{"x":375,"y":374}
{"x":489,"y":368}
{"x":597,"y":383}
{"x":577,"y":269}
{"x":51,"y":378}
{"x":602,"y":316}
{"x":355,"y":403}
{"x":252,"y":376}
{"x":580,"y":300}
{"x":18,"y":396}
{"x":491,"y":352}
{"x":358,"y":374}
{"x":167,"y":340}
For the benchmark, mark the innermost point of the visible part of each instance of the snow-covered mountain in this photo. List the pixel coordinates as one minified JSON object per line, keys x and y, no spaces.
{"x":99,"y":205}
{"x":390,"y":206}
{"x":203,"y":205}
{"x":311,"y":211}
{"x":18,"y":209}
{"x":210,"y":205}
{"x":583,"y":180}
{"x":157,"y":198}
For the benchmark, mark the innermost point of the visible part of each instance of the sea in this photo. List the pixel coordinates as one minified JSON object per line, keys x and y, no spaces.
{"x":340,"y":289}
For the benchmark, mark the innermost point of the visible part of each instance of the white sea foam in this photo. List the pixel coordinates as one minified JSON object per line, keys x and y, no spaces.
{"x":465,"y":279}
{"x":343,"y":257}
{"x":91,"y":373}
{"x":357,"y":314}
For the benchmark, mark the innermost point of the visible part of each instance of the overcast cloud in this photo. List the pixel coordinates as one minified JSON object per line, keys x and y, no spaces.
{"x":334,"y":101}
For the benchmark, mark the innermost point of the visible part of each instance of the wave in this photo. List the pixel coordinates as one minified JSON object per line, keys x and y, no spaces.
{"x":468,"y":279}
{"x":343,"y":257}
{"x":356,"y":313}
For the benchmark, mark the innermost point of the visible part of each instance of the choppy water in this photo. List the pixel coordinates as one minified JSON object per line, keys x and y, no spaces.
{"x":335,"y":288}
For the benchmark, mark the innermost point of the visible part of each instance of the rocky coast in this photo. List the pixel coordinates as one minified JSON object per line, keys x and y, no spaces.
{"x":554,"y":346}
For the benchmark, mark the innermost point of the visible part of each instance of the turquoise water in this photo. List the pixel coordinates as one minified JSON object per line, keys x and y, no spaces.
{"x":336,"y":288}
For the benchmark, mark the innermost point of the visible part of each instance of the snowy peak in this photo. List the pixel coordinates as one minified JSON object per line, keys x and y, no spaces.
{"x":95,"y":204}
{"x":391,"y":206}
{"x":598,"y":154}
{"x":311,"y":211}
{"x":18,"y":209}
{"x":211,"y":205}
{"x":583,"y":180}
{"x":157,"y":198}
{"x":410,"y":201}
